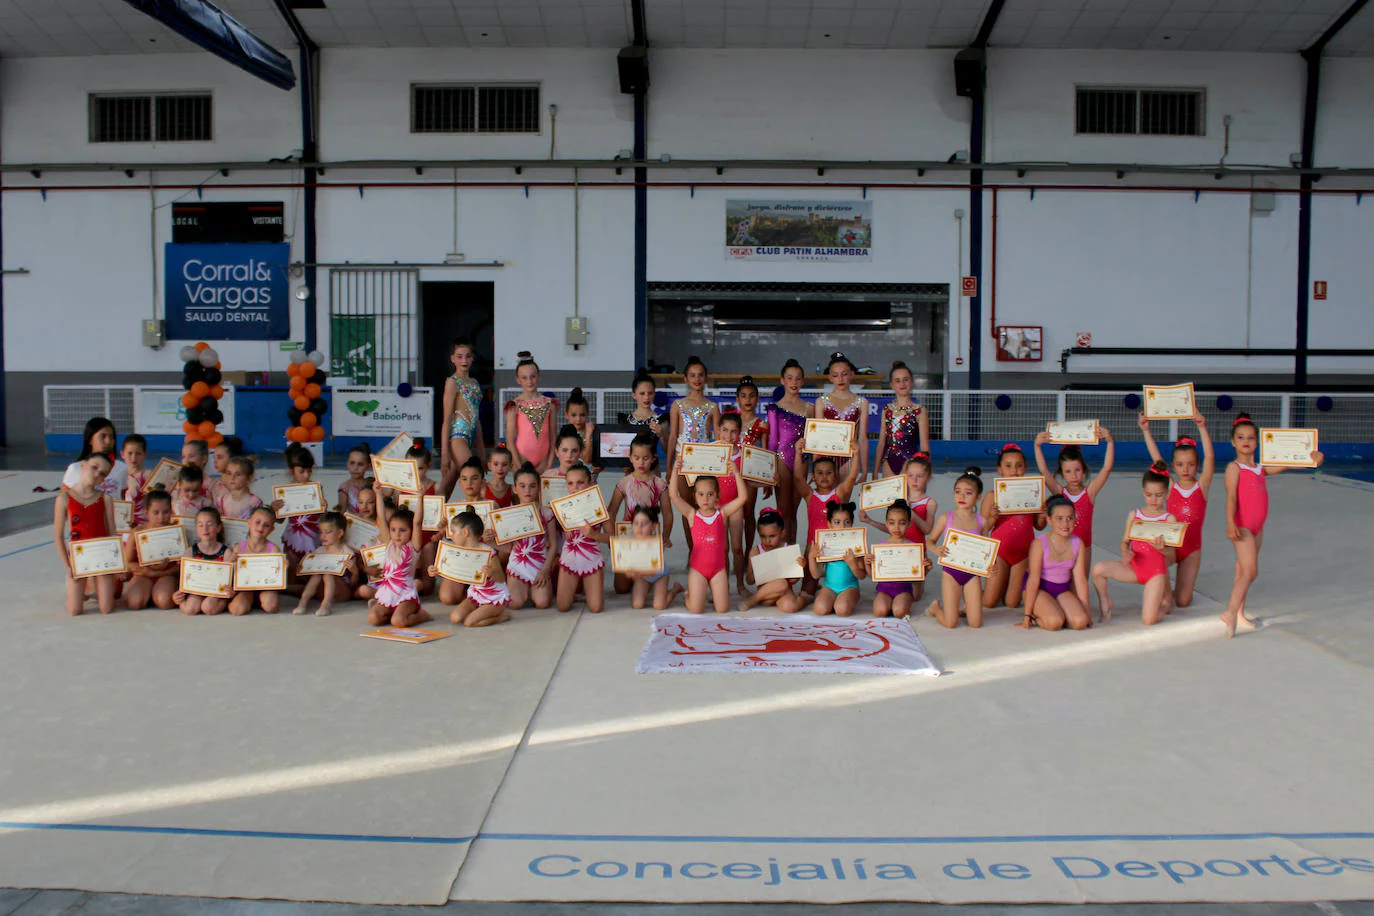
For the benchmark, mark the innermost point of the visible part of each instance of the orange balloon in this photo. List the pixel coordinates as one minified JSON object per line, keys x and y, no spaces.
{"x":317,"y":434}
{"x":215,"y":440}
{"x":200,"y":390}
{"x":219,"y":365}
{"x":293,"y":370}
{"x":302,"y":402}
{"x":302,"y":434}
{"x":308,"y":420}
{"x":217,"y":391}
{"x":202,"y":347}
{"x":297,"y":385}
{"x":189,"y":400}
{"x":312,"y":390}
{"x":206,"y":429}
{"x":188,"y":427}
{"x":307,"y":369}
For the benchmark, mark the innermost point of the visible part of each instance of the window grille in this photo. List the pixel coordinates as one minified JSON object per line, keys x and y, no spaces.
{"x":144,"y":118}
{"x":1153,"y":112}
{"x":474,"y":109}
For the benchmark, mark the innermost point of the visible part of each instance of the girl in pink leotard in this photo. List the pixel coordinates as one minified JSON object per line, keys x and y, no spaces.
{"x":530,"y":417}
{"x":1187,"y":499}
{"x":1072,"y":469}
{"x":708,"y":569}
{"x":1247,"y":509}
{"x":1057,"y":578}
{"x":1142,"y":562}
{"x":580,"y":558}
{"x":642,"y":487}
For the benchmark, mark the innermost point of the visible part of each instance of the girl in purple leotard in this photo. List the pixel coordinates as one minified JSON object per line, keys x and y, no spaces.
{"x":786,"y":424}
{"x":895,"y":597}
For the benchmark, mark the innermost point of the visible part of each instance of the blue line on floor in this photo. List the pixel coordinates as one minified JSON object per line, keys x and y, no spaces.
{"x":251,"y":834}
{"x":12,"y":553}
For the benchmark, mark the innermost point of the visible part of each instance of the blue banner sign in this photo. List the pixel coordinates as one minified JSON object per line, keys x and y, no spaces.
{"x":227,"y":292}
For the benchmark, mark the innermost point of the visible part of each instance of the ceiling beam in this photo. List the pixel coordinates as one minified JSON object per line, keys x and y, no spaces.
{"x":293,"y":23}
{"x":988,"y":24}
{"x":637,"y":20}
{"x":1334,"y":29}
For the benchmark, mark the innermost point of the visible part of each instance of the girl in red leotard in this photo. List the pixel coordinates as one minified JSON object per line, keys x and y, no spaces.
{"x":824,"y":487}
{"x":1247,"y":509}
{"x":1143,"y":562}
{"x":707,"y":567}
{"x":1072,"y":469}
{"x":1187,"y":499}
{"x":90,"y":514}
{"x":1014,"y":534}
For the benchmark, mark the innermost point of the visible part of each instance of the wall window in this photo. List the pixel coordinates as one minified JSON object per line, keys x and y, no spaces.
{"x":1139,"y":111}
{"x":161,"y":117}
{"x":469,"y":109}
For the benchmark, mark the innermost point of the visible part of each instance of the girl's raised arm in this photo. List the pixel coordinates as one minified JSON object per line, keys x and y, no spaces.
{"x":684,"y":508}
{"x":1043,"y":467}
{"x":383,"y":513}
{"x":799,"y":475}
{"x":1149,"y":438}
{"x":851,"y":477}
{"x":1209,"y":458}
{"x":1108,"y":462}
{"x":742,"y":488}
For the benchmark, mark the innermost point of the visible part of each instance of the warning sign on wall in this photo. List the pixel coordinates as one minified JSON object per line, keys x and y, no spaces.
{"x":1318,"y":289}
{"x":968,"y":286}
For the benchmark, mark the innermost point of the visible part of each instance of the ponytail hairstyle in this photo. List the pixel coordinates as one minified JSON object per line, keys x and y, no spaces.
{"x":649,"y":512}
{"x":919,"y":458}
{"x":898,"y":366}
{"x":460,"y":343}
{"x":469,"y":520}
{"x":1243,"y":419}
{"x":770,"y":516}
{"x":473,"y":462}
{"x":746,"y":381}
{"x":336,"y":519}
{"x":567,"y":431}
{"x":420,"y":452}
{"x":792,"y":364}
{"x":525,"y":359}
{"x":1070,"y":453}
{"x":1158,"y":472}
{"x":902,"y":506}
{"x":1058,"y":500}
{"x":402,"y":514}
{"x":1185,"y":444}
{"x":839,"y":357}
{"x":833,"y":508}
{"x":973,"y":475}
{"x":576,"y":397}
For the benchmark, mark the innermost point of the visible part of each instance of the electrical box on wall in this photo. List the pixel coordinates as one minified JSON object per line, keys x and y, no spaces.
{"x":576,"y":331}
{"x":153,"y":333}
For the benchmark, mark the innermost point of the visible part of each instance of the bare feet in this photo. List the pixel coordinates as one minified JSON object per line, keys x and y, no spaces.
{"x":934,"y":609}
{"x":677,"y":589}
{"x":300,"y":609}
{"x":1104,"y":608}
{"x":1024,"y":623}
{"x":1229,"y":619}
{"x":1248,"y":622}
{"x":323,"y":610}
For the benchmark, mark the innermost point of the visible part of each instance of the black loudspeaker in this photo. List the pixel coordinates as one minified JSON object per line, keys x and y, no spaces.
{"x":970,"y":71}
{"x":633,"y":61}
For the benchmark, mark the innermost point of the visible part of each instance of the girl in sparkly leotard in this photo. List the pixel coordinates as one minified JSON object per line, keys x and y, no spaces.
{"x":786,"y":424}
{"x":692,"y":419}
{"x":530,"y":418}
{"x":753,"y":433}
{"x":462,"y":426}
{"x":905,"y":428}
{"x":842,"y":404}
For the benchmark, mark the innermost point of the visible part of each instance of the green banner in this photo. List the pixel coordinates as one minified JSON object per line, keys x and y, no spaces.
{"x":353,"y":348}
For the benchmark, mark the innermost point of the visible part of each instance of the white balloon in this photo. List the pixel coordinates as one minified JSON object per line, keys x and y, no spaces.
{"x":298,"y":357}
{"x":208,"y":357}
{"x":188,"y":354}
{"x":317,"y":358}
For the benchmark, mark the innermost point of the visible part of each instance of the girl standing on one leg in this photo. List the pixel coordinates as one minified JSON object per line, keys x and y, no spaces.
{"x":839,"y":591}
{"x":1247,"y":509}
{"x":957,"y":585}
{"x":1057,"y":578}
{"x":706,"y":521}
{"x":1187,"y":499}
{"x":1143,"y":562}
{"x":1014,"y":534}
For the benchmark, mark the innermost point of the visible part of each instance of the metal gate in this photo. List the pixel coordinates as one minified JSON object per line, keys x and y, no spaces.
{"x":374,"y":325}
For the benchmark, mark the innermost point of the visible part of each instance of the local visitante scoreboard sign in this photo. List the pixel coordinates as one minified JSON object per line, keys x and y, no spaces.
{"x":227,"y":292}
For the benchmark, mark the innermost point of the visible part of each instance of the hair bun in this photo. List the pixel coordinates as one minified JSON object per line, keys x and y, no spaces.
{"x":745,"y":381}
{"x":900,"y":504}
{"x":1159,"y":469}
{"x":972,"y":471}
{"x":524,"y":354}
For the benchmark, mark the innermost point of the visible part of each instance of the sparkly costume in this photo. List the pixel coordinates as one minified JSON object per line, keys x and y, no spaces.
{"x":902,"y":425}
{"x":756,"y":435}
{"x":397,"y":584}
{"x":785,"y":430}
{"x":639,"y":493}
{"x":528,"y":555}
{"x":1189,"y":506}
{"x":852,"y":414}
{"x":533,"y":438}
{"x":695,"y":422}
{"x":1146,"y":561}
{"x":465,"y":419}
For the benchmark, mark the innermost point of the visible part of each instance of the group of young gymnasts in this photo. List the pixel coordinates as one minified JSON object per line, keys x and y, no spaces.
{"x":1044,"y":561}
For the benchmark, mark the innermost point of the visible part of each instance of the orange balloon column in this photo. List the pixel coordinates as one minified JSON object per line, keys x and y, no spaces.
{"x":201,"y":377}
{"x":306,"y":395}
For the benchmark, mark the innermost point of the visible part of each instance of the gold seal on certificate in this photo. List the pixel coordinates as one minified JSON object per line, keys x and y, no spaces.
{"x":778,"y":563}
{"x":299,"y":499}
{"x":207,"y":578}
{"x":374,"y":556}
{"x":188,"y":527}
{"x":467,"y":565}
{"x":553,"y":486}
{"x":96,"y":557}
{"x":235,"y":530}
{"x":1019,"y":495}
{"x":831,"y":543}
{"x":397,"y":474}
{"x":1288,"y":448}
{"x":429,"y":510}
{"x":1169,"y":402}
{"x":637,"y":555}
{"x":899,"y":562}
{"x":758,"y":465}
{"x":1144,"y":529}
{"x":360,"y":532}
{"x":164,"y":476}
{"x":516,"y":522}
{"x":624,"y":529}
{"x":829,"y":437}
{"x":324,"y":564}
{"x":123,"y":515}
{"x":706,"y":459}
{"x":580,"y":509}
{"x":260,"y":572}
{"x":483,"y":508}
{"x":970,"y":553}
{"x":879,"y":494}
{"x":158,"y":545}
{"x":1073,"y":432}
{"x":397,"y":448}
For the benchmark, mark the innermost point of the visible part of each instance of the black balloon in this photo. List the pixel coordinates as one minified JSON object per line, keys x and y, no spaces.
{"x":194,"y":372}
{"x":318,"y":378}
{"x":195,"y":415}
{"x":215,"y":416}
{"x":319,"y":406}
{"x":212,"y":376}
{"x":208,"y":404}
{"x":293,"y":415}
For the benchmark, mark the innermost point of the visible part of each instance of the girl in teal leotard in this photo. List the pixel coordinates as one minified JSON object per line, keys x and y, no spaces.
{"x":839,"y":578}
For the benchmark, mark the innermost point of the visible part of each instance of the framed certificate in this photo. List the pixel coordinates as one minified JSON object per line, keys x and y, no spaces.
{"x":374,"y":556}
{"x":207,"y":578}
{"x":1073,"y":432}
{"x":879,"y":494}
{"x":1169,"y":402}
{"x":324,"y":564}
{"x":970,"y":553}
{"x":624,"y":529}
{"x":158,"y":545}
{"x":428,"y":509}
{"x":397,"y":474}
{"x":829,"y":437}
{"x":611,"y":445}
{"x":397,"y":448}
{"x":1145,"y":530}
{"x":553,"y":487}
{"x":123,"y":515}
{"x":97,"y":557}
{"x":1019,"y":495}
{"x":516,"y":522}
{"x":483,"y":508}
{"x":360,"y":532}
{"x":299,"y":499}
{"x":580,"y":509}
{"x":164,"y":475}
{"x":235,"y":530}
{"x":188,"y":527}
{"x":759,"y":465}
{"x":637,"y":555}
{"x":260,"y":572}
{"x":780,"y":563}
{"x":899,"y":562}
{"x":706,"y":459}
{"x":1288,"y":448}
{"x":407,"y":635}
{"x":831,"y":543}
{"x":467,"y":565}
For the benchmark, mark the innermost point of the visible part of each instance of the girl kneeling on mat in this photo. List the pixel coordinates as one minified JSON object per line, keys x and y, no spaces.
{"x":1144,"y":562}
{"x":839,"y":579}
{"x":1057,"y":578}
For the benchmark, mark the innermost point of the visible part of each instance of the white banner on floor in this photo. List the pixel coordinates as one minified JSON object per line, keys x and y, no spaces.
{"x":806,"y":644}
